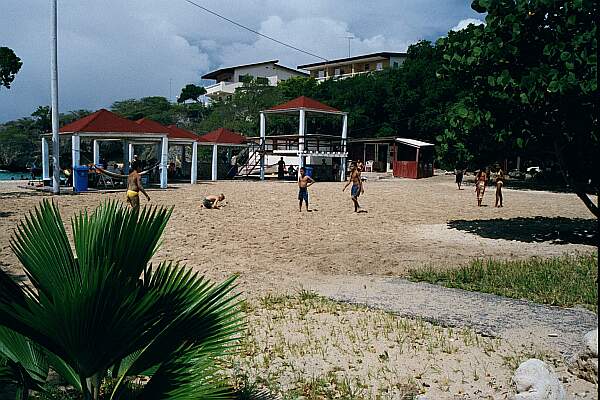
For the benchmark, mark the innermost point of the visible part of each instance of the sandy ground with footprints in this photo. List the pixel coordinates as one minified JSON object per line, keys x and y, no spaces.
{"x":304,"y":344}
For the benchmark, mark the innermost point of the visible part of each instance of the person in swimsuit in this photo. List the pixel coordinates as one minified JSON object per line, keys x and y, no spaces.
{"x":357,"y":186}
{"x":304,"y":182}
{"x":212,"y":201}
{"x":134,"y":186}
{"x":499,"y":184}
{"x":480,"y":186}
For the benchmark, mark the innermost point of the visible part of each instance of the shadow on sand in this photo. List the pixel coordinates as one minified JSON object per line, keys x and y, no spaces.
{"x":557,"y":230}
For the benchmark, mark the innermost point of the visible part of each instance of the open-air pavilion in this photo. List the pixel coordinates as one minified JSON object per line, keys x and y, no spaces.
{"x":303,"y":146}
{"x":104,"y":125}
{"x":221,"y":138}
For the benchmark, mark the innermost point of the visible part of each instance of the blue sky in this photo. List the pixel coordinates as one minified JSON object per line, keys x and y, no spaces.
{"x":114,"y":49}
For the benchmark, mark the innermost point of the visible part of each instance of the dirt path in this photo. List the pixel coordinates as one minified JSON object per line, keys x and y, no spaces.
{"x":555,"y":329}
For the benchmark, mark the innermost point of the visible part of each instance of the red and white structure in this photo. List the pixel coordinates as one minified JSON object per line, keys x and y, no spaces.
{"x":305,"y":147}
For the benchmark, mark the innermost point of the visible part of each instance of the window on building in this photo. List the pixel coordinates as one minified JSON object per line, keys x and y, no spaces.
{"x":379,"y":66}
{"x":321,"y":73}
{"x":367,"y":67}
{"x":337,"y":72}
{"x":396,"y":65}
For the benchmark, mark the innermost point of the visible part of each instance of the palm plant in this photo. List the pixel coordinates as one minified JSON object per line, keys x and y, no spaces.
{"x":100,"y":309}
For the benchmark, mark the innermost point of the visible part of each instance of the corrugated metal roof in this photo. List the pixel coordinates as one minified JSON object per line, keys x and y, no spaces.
{"x":413,"y":142}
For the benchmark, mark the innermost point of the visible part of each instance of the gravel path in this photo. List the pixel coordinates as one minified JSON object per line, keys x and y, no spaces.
{"x":547,"y":328}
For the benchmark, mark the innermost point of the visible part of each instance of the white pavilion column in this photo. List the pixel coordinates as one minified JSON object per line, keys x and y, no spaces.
{"x":164,"y":159}
{"x":344,"y":147}
{"x":301,"y":132}
{"x":75,"y":151}
{"x":263,"y":131}
{"x":126,"y":159}
{"x":130,"y":152}
{"x":45,"y":159}
{"x":194,"y":172}
{"x":214,"y":163}
{"x":96,"y":146}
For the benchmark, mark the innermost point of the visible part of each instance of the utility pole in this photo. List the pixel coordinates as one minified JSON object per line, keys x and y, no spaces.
{"x":170,"y":87}
{"x":54,"y":99}
{"x":349,"y":39}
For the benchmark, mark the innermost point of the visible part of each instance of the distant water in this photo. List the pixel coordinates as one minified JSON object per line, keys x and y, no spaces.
{"x":7,"y":176}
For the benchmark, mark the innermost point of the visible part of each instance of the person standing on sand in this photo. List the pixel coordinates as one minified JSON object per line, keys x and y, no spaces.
{"x":480,"y":186}
{"x":459,"y":177}
{"x":134,"y":186}
{"x":280,"y":169}
{"x":499,"y":184}
{"x":304,"y":182}
{"x":357,"y":186}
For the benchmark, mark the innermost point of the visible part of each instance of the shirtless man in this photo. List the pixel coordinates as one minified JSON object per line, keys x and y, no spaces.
{"x":304,"y":182}
{"x":357,"y":186}
{"x":134,"y":186}
{"x":212,"y":201}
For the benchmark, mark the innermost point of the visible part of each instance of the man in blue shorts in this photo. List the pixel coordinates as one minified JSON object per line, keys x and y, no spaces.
{"x":357,"y":186}
{"x":304,"y":182}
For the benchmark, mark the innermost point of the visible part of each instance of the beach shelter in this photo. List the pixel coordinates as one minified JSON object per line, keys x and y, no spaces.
{"x":306,"y":144}
{"x":104,"y":125}
{"x":176,"y":136}
{"x":413,"y":158}
{"x":220,"y":137}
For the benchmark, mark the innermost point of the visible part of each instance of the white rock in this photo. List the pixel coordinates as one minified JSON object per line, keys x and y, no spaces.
{"x":536,"y":381}
{"x":591,"y":341}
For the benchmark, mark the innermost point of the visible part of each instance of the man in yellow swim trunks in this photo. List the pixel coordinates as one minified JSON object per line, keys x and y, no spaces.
{"x":134,"y":186}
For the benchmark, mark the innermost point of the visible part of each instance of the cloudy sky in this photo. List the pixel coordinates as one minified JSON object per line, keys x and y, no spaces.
{"x":117,"y":49}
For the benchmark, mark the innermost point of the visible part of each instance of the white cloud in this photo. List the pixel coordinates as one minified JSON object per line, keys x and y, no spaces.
{"x":466,"y":22}
{"x":111,"y":50}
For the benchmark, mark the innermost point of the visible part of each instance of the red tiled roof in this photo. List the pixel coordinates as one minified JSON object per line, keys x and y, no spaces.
{"x":151,"y":126}
{"x":304,"y":102}
{"x":224,"y":136}
{"x":102,"y":121}
{"x":180,"y":133}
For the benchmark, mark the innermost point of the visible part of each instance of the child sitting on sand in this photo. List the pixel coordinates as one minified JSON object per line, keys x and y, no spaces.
{"x":212,"y":201}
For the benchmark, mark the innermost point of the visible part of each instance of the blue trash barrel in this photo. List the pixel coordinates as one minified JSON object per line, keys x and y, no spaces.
{"x":308,"y":171}
{"x":80,"y":179}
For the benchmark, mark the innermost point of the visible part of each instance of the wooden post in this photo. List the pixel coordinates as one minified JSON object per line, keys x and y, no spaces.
{"x":194,"y":171}
{"x":45,"y":160}
{"x":214,"y":163}
{"x":344,"y":148}
{"x":164,"y":159}
{"x":263,"y":131}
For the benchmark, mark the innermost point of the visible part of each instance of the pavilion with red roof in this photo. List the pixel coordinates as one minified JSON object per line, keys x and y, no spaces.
{"x":104,"y":125}
{"x":304,"y":148}
{"x":222,"y":137}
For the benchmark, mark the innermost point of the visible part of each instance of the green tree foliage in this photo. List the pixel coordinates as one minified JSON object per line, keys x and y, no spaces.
{"x":156,"y":108}
{"x":99,"y":308}
{"x":191,"y":92}
{"x":241,"y":112}
{"x":531,"y":74}
{"x":10,"y":64}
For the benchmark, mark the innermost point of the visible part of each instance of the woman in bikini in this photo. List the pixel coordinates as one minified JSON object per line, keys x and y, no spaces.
{"x":480,"y":186}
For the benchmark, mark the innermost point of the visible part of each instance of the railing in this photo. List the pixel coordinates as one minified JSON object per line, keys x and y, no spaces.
{"x":343,"y":76}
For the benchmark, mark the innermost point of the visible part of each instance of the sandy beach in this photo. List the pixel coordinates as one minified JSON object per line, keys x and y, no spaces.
{"x":278,"y":251}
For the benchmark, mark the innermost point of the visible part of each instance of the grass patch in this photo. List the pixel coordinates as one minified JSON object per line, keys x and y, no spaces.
{"x":562,"y":281}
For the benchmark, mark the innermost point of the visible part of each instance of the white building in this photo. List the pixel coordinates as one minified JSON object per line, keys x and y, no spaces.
{"x":352,"y":66}
{"x":230,"y":78}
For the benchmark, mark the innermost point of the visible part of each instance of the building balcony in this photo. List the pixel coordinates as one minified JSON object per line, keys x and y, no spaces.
{"x":228,"y":88}
{"x":342,"y":76}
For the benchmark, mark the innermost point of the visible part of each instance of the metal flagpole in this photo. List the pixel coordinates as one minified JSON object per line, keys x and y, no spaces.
{"x":54,"y":100}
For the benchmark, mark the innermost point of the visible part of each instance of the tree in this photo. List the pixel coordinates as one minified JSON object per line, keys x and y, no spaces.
{"x":191,"y":92}
{"x":532,"y":70}
{"x":156,"y":108}
{"x":99,"y":308}
{"x":10,"y":64}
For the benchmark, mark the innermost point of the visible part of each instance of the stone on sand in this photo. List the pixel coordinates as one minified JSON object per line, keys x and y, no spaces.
{"x":535,"y":380}
{"x":585,"y":363}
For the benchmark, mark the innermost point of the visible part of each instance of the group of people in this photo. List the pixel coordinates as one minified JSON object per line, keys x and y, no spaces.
{"x":304,"y":181}
{"x":481,"y":180}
